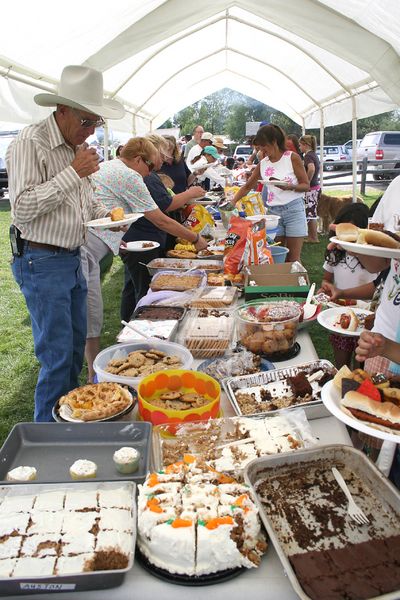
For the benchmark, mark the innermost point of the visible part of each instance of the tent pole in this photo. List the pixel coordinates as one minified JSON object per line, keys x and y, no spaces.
{"x":133,"y":125}
{"x":303,"y":127}
{"x":354,"y":146}
{"x":105,"y":141}
{"x":321,"y":147}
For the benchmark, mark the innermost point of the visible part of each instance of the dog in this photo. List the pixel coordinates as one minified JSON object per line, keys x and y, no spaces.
{"x":328,"y":208}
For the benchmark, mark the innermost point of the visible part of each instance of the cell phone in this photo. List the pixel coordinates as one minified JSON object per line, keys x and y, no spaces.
{"x":17,"y":243}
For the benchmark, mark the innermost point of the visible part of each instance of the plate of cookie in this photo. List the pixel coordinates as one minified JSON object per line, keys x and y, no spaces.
{"x":128,"y":363}
{"x":105,"y":401}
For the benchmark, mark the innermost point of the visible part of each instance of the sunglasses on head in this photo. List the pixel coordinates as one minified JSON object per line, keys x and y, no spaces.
{"x":99,"y":122}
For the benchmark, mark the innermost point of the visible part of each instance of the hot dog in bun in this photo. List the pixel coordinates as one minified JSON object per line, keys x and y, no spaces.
{"x":376,"y":238}
{"x":348,"y":320}
{"x":382,"y":415}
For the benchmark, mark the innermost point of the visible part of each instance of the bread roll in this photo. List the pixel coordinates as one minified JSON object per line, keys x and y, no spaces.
{"x":117,"y":214}
{"x":347,"y":232}
{"x":376,"y":238}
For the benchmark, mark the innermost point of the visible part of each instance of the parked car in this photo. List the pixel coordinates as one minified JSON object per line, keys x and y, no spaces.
{"x":333,"y":154}
{"x":243,"y":151}
{"x":380,"y":145}
{"x":348,"y":147}
{"x":5,"y":139}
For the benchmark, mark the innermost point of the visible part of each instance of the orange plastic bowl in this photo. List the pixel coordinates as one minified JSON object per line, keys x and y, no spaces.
{"x":152,"y":386}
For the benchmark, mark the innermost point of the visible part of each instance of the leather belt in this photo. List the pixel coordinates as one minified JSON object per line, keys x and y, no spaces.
{"x":48,"y":247}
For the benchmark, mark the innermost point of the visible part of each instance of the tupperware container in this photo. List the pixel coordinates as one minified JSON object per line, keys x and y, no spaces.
{"x":122,"y":350}
{"x":268,"y":327}
{"x":207,"y":333}
{"x":177,"y":380}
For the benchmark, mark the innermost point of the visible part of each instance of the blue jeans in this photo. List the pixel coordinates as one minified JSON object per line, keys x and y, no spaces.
{"x":292,"y":222}
{"x":55,"y":294}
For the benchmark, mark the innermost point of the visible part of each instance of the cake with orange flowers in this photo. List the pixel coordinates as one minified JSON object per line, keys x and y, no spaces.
{"x":193,"y":520}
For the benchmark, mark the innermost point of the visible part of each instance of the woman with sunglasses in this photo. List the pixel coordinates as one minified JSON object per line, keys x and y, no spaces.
{"x":119,"y":183}
{"x":137,"y":278}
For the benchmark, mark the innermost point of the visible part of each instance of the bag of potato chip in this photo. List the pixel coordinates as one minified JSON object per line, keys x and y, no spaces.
{"x":235,"y":243}
{"x":200,"y":221}
{"x":256,"y":251}
{"x":252,"y":204}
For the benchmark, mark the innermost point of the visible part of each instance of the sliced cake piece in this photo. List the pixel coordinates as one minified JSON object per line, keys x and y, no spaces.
{"x":116,"y":518}
{"x":114,"y":540}
{"x":17,"y":504}
{"x":39,"y":545}
{"x":81,"y":500}
{"x":73,"y":564}
{"x":13,"y":523}
{"x":116,"y":498}
{"x":34,"y":567}
{"x":7,"y":566}
{"x":45,"y":522}
{"x":79,"y":522}
{"x":10,"y":546}
{"x":81,"y":543}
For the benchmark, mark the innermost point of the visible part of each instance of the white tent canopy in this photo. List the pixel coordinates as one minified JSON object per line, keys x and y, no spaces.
{"x":315,"y":60}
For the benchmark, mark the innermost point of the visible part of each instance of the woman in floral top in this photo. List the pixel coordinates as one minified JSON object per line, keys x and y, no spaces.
{"x":286,"y":198}
{"x":119,"y":183}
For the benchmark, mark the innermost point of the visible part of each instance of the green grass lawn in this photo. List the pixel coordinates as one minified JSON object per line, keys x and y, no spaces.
{"x":19,"y":367}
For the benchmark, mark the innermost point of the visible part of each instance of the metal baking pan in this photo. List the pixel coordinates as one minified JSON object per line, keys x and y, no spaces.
{"x":253,"y":383}
{"x":52,"y":448}
{"x":149,"y":309}
{"x":79,"y":582}
{"x":377,"y":497}
{"x":182,"y":264}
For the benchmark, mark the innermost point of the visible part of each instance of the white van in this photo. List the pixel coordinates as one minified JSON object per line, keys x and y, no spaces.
{"x":243,"y":151}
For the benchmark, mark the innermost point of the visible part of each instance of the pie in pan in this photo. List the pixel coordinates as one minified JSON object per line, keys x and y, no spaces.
{"x":95,"y":401}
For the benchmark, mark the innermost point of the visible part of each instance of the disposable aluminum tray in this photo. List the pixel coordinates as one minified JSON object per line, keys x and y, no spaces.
{"x":148,"y":309}
{"x":377,"y":497}
{"x":52,"y":448}
{"x":162,"y":264}
{"x":314,"y":409}
{"x":78,"y":582}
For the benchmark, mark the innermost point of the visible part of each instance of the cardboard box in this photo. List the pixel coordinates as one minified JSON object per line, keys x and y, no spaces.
{"x":276,"y":280}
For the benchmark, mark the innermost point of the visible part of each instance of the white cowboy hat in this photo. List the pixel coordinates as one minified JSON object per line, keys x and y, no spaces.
{"x":82,"y":87}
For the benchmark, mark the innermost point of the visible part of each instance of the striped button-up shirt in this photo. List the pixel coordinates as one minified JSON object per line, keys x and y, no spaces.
{"x":49,"y":201}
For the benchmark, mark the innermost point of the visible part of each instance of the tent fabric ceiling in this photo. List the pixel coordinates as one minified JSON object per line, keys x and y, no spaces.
{"x":307,"y":58}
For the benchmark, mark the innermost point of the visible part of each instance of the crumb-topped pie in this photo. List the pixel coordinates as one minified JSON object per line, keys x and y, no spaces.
{"x":96,"y":401}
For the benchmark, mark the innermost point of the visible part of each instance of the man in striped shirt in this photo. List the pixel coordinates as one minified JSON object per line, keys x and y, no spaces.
{"x":51,"y":195}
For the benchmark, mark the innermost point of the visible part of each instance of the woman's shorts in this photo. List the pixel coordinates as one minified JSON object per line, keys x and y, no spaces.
{"x":311,"y":203}
{"x":292,"y":222}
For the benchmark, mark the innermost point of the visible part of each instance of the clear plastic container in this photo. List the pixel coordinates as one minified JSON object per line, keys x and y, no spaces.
{"x":215,"y":297}
{"x":268,"y":327}
{"x":207,"y":333}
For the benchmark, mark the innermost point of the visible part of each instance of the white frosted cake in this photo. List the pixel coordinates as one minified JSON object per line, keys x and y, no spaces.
{"x":195,"y":521}
{"x":58,"y":532}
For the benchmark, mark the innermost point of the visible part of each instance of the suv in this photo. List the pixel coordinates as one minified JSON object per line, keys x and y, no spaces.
{"x":244,"y":151}
{"x":379,"y":145}
{"x":333,"y":153}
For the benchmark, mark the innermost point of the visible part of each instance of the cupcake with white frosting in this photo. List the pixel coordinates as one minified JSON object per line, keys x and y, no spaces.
{"x":22,"y":474}
{"x":126,"y":460}
{"x":83,"y":469}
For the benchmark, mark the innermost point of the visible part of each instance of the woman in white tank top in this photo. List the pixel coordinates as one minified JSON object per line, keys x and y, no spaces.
{"x":285,"y":200}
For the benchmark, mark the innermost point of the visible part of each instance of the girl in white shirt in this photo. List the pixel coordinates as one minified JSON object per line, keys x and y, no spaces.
{"x":345,"y":271}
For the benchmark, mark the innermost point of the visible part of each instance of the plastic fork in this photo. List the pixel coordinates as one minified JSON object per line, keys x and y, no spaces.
{"x":353,"y":509}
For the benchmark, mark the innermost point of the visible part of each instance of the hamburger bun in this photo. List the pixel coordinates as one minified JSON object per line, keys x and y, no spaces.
{"x":117,"y":214}
{"x":377,"y":238}
{"x":347,"y":232}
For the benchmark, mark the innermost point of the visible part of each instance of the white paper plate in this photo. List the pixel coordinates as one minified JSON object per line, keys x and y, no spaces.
{"x":216,"y":248}
{"x":273,"y":182}
{"x":327,"y":318}
{"x":138,"y":246}
{"x":367,"y":249}
{"x":331,"y":397}
{"x":106,"y":222}
{"x":360,"y":304}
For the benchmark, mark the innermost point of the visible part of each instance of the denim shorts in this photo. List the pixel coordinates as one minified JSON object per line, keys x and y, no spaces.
{"x":292,"y":222}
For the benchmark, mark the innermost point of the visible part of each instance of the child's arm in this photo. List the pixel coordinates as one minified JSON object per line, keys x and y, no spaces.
{"x":362,"y":292}
{"x":374,"y":344}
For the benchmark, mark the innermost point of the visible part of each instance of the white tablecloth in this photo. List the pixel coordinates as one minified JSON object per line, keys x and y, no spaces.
{"x":268,"y":582}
